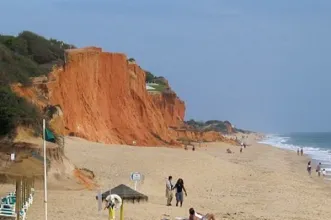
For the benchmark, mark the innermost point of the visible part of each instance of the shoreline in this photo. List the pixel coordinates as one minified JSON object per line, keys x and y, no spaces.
{"x":325,"y":163}
{"x":261,"y":183}
{"x":304,"y":159}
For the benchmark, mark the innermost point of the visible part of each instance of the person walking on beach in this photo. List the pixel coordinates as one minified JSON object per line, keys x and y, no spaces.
{"x":179,"y":186}
{"x":318,"y":169}
{"x":309,"y":168}
{"x":169,"y":194}
{"x":301,"y":151}
{"x":298,"y":152}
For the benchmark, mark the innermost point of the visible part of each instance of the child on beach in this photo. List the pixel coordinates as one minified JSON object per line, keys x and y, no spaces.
{"x":324,"y":172}
{"x":301,"y":151}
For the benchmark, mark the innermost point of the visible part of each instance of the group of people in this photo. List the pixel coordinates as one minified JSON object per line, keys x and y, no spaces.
{"x":300,"y":151}
{"x":180,"y":190}
{"x":319,"y":169}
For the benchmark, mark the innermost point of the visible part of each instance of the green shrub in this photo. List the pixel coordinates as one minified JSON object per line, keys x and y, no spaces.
{"x":131,"y":60}
{"x":15,"y":111}
{"x":21,"y":57}
{"x":149,"y":76}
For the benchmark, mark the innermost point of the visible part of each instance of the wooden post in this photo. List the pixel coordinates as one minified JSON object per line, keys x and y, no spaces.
{"x":18,"y":197}
{"x":122,"y":211}
{"x":29,"y":186}
{"x":23,"y":191}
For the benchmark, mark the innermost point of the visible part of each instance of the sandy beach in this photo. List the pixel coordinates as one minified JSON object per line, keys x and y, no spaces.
{"x":261,"y":183}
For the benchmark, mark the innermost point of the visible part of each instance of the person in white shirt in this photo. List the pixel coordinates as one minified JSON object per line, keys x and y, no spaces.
{"x":169,"y":194}
{"x":198,"y":216}
{"x":324,"y":172}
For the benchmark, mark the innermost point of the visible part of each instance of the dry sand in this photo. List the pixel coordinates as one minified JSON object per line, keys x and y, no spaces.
{"x":261,"y":183}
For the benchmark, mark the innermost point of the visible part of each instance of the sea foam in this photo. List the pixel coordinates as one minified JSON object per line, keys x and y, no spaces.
{"x":316,"y":154}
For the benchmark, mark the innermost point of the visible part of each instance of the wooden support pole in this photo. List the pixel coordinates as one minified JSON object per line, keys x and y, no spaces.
{"x":21,"y":205}
{"x":29,"y":186}
{"x":18,"y":197}
{"x":23,"y":191}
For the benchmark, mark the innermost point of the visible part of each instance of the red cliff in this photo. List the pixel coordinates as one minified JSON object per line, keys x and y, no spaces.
{"x":171,"y":107}
{"x":102,"y":97}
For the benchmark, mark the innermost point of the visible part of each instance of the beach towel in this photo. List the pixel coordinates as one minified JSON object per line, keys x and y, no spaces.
{"x":201,"y":217}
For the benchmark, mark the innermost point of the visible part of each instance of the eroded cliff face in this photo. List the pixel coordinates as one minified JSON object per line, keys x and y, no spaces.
{"x":101,"y":97}
{"x":104,"y":99}
{"x":171,"y":107}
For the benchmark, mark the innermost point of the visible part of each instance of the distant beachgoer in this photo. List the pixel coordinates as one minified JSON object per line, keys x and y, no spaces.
{"x":301,"y":151}
{"x":241,"y":149}
{"x":309,"y":167}
{"x":244,"y":145}
{"x":179,"y":186}
{"x":169,"y":194}
{"x":198,"y":216}
{"x":298,"y":152}
{"x":318,"y":169}
{"x":324,"y":172}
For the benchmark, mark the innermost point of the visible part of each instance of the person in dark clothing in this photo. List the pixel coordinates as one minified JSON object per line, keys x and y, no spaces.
{"x":179,"y":186}
{"x":309,"y":168}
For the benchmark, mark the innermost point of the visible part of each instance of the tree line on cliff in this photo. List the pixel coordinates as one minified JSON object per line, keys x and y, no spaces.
{"x":225,"y":127}
{"x":30,"y":55}
{"x":150,"y":77}
{"x":21,"y":57}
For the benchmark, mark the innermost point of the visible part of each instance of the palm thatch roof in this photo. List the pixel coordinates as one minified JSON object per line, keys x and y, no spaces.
{"x":126,"y":193}
{"x":26,"y":167}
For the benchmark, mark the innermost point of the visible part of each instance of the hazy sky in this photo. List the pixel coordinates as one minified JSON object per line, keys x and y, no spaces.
{"x":263,"y":65}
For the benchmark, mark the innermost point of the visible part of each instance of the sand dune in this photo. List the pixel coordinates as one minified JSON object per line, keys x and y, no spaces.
{"x":261,"y":183}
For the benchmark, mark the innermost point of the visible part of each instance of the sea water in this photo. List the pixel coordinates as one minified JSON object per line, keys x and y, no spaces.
{"x":315,"y":145}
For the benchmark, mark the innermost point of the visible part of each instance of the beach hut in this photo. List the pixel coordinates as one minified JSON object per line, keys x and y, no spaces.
{"x":127,"y":194}
{"x":23,"y":171}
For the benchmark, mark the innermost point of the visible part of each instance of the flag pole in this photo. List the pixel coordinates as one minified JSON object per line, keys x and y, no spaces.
{"x":45,"y":168}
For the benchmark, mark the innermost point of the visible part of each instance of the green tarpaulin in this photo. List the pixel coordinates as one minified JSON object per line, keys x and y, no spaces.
{"x":49,"y":136}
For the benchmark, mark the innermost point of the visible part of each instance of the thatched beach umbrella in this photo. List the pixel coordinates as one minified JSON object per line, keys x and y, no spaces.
{"x":23,"y":171}
{"x":127,"y":194}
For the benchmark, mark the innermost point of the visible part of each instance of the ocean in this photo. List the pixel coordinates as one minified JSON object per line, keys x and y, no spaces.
{"x":315,"y":145}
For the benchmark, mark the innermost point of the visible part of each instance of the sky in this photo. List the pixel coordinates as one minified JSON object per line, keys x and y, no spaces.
{"x":263,"y":65}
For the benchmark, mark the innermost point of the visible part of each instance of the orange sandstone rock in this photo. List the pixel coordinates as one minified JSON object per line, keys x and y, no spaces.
{"x":103,"y":98}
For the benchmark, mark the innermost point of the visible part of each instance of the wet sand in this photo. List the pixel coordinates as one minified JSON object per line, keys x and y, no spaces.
{"x":261,"y":183}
